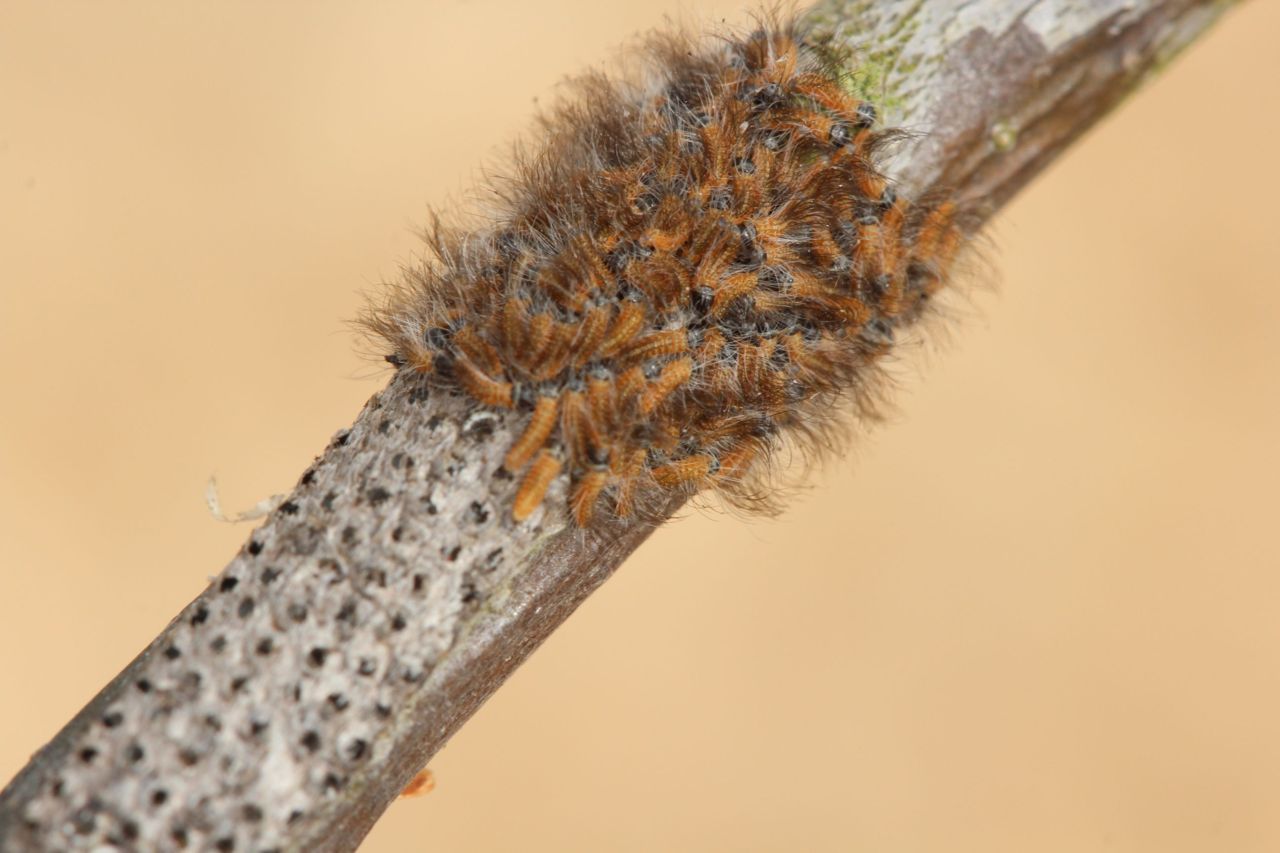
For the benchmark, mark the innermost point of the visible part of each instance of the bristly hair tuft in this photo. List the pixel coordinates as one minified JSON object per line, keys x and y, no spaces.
{"x":684,"y":273}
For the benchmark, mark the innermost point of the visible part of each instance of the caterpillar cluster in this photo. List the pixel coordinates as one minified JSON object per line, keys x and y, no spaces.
{"x":685,"y":274}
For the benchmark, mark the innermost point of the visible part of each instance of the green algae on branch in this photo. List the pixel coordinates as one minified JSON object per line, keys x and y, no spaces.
{"x":874,"y":70}
{"x":1004,"y":135}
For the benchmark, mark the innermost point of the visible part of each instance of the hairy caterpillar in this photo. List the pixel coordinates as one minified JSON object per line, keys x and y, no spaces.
{"x":685,"y":274}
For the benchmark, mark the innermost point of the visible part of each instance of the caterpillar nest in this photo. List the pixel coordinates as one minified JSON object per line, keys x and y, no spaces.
{"x":684,"y":275}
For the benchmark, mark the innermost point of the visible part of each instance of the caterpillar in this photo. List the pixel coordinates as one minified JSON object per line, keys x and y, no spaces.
{"x":686,"y":273}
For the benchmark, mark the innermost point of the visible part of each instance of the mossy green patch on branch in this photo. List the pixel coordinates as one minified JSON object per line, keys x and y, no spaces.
{"x":1004,"y":135}
{"x":869,"y":46}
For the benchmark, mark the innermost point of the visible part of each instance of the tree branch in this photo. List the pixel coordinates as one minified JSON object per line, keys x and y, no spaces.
{"x":390,"y":595}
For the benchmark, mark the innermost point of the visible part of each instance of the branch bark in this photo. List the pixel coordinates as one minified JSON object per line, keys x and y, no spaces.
{"x":390,"y":595}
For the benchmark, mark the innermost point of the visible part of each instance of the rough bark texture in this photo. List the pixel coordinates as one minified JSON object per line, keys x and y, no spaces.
{"x":390,"y":595}
{"x":998,"y":89}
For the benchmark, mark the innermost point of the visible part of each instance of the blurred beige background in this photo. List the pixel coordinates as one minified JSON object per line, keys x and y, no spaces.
{"x":1040,"y":610}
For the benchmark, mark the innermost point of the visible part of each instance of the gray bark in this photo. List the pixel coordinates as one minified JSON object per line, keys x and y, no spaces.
{"x":390,"y":595}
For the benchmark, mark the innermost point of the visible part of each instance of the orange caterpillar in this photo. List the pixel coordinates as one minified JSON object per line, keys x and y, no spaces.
{"x":685,"y":276}
{"x":422,"y":783}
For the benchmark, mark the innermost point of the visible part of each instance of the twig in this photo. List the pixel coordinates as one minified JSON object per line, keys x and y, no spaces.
{"x":389,"y":595}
